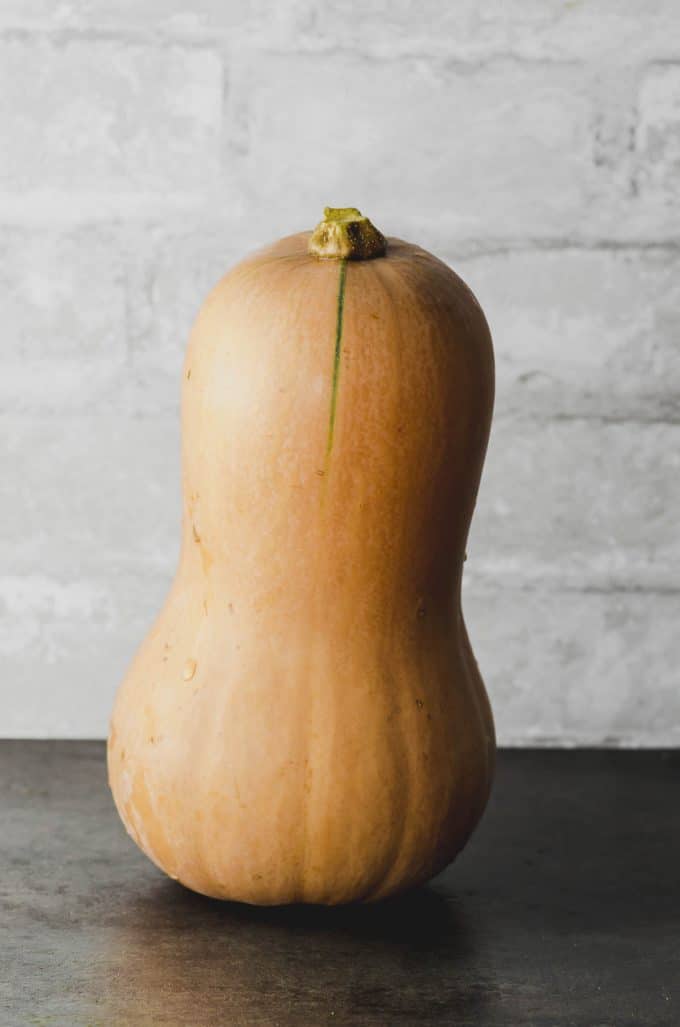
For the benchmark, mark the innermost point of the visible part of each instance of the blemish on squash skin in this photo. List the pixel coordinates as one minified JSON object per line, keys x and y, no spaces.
{"x":206,"y":559}
{"x":197,"y":537}
{"x":189,"y":669}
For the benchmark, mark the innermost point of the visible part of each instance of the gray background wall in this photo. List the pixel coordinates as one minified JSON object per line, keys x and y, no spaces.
{"x":534,"y":144}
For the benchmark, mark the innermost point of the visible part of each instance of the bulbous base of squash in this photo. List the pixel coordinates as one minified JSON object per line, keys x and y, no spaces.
{"x":329,"y":896}
{"x":347,"y":789}
{"x":327,"y":886}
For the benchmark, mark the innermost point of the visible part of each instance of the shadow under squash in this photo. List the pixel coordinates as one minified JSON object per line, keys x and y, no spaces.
{"x":189,"y":959}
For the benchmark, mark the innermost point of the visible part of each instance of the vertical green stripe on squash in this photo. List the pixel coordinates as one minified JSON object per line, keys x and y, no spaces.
{"x":336,"y":358}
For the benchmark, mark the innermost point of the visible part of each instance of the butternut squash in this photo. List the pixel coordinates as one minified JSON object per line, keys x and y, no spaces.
{"x":306,"y":722}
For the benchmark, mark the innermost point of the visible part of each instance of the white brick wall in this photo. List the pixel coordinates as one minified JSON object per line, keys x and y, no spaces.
{"x":534,"y":144}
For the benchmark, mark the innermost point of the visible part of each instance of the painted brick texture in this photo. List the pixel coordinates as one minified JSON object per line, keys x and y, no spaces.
{"x":535,"y":146}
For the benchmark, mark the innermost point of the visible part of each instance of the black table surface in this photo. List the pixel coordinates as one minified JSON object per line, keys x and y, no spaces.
{"x":563,"y":909}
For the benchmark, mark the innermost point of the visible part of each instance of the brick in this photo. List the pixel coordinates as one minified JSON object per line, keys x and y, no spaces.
{"x":95,"y":493}
{"x":583,"y":332}
{"x":426,"y":148}
{"x":203,"y":18}
{"x":62,"y":295}
{"x":573,"y":667}
{"x":65,"y":646}
{"x":606,"y":31}
{"x":63,"y":299}
{"x":657,"y":140}
{"x":67,"y":298}
{"x":582,"y":503}
{"x":171,"y":275}
{"x":65,"y":388}
{"x":103,"y":115}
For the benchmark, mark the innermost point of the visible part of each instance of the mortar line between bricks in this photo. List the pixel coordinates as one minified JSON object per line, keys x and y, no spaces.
{"x":229,"y":41}
{"x":213,"y":41}
{"x":471,"y":249}
{"x":247,"y":38}
{"x":189,"y":213}
{"x":488,"y":582}
{"x":466,"y":65}
{"x":515,"y":413}
{"x":567,"y":418}
{"x":457,"y":62}
{"x":189,"y":216}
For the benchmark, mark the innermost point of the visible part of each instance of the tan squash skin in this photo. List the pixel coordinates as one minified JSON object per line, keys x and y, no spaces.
{"x":306,"y":722}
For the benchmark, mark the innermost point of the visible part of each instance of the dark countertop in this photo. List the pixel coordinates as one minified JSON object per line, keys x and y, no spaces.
{"x":564,"y":909}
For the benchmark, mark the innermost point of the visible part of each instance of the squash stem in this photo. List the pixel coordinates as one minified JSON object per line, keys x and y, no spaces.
{"x":345,"y":234}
